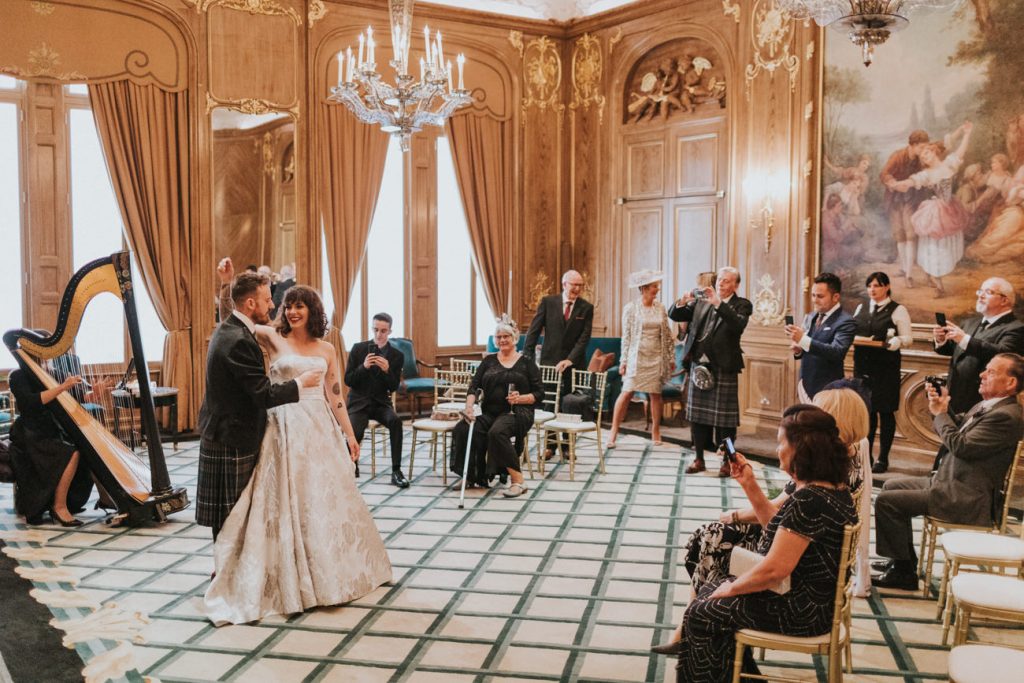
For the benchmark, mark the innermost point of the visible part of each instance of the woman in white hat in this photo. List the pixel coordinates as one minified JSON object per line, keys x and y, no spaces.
{"x":646,"y":351}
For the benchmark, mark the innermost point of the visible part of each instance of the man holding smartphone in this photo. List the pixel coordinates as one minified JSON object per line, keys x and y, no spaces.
{"x":374,"y":371}
{"x":823,"y":340}
{"x":716,"y":322}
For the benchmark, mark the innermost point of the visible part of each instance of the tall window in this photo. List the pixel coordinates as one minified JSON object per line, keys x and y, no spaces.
{"x":96,"y":232}
{"x":11,"y":278}
{"x":464,"y":318}
{"x":380,"y":285}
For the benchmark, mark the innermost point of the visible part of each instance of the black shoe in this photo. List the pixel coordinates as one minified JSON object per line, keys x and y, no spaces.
{"x":897,"y":578}
{"x":672,"y":649}
{"x":35,"y":520}
{"x":399,"y":480}
{"x":881,"y":565}
{"x":73,"y":522}
{"x":357,"y":470}
{"x":880,"y":467}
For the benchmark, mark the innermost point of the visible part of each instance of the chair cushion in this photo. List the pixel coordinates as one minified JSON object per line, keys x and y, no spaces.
{"x":601,"y":361}
{"x":989,"y":590}
{"x":456,"y":406}
{"x":416,"y":385}
{"x":559,"y":426}
{"x":984,"y":663}
{"x":987,"y":546}
{"x":796,"y":641}
{"x":428,"y":425}
{"x":542,"y":416}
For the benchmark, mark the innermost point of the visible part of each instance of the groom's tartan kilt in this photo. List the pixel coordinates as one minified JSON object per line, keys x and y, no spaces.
{"x":224,"y":472}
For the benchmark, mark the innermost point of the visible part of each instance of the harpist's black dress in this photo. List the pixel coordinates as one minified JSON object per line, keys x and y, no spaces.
{"x":493,"y":451}
{"x":42,"y":454}
{"x":814,"y":512}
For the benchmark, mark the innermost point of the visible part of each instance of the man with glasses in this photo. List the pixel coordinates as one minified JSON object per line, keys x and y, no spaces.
{"x":979,"y":340}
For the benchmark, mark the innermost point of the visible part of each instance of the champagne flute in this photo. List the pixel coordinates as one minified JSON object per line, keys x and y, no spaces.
{"x":511,"y":393}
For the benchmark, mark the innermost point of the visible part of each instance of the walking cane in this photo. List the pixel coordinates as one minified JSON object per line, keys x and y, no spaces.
{"x":465,"y":460}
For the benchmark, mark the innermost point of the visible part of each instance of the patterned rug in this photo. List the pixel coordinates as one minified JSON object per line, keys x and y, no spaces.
{"x":573,"y":581}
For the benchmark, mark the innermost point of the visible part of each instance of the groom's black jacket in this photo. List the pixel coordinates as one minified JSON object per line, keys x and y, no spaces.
{"x":238,"y":391}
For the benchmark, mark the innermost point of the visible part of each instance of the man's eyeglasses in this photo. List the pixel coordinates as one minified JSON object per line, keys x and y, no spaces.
{"x":989,"y":292}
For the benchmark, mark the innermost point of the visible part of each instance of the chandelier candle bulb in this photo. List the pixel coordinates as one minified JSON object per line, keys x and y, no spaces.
{"x":449,"y":70}
{"x":423,"y":70}
{"x":370,"y":45}
{"x":461,"y":60}
{"x":362,"y":42}
{"x":351,"y":65}
{"x":341,"y":68}
{"x":440,"y":52}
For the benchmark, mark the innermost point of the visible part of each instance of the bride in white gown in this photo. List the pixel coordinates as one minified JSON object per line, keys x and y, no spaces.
{"x":300,"y":535}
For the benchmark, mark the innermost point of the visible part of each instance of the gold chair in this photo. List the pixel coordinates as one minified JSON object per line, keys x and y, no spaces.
{"x":988,"y":551}
{"x":464,"y":365}
{"x":551,"y":378}
{"x":984,"y":663}
{"x":831,"y":644}
{"x":450,"y":386}
{"x":934,"y":526}
{"x":374,"y":427}
{"x":988,"y":596}
{"x":588,"y":381}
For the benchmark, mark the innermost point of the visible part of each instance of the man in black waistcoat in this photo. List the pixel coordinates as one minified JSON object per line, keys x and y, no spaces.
{"x":716,"y":322}
{"x":374,"y":370}
{"x":233,"y":416}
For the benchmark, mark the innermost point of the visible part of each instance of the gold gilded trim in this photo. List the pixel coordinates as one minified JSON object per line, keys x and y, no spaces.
{"x":538,"y":290}
{"x":768,"y":306}
{"x":317,"y":11}
{"x":587,"y":69}
{"x":543,"y":71}
{"x":771,"y":33}
{"x":43,"y":8}
{"x":613,"y":41}
{"x":43,"y":61}
{"x":265,"y":7}
{"x":515,"y":38}
{"x":730,"y":9}
{"x":252,"y":106}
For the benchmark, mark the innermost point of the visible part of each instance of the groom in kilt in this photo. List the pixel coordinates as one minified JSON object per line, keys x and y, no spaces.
{"x":233,"y":416}
{"x":714,"y":359}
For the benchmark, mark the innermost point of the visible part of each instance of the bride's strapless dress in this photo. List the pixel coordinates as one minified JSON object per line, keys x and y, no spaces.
{"x":300,"y":535}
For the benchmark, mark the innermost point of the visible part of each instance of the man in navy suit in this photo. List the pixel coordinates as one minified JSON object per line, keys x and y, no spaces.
{"x":827,"y":333}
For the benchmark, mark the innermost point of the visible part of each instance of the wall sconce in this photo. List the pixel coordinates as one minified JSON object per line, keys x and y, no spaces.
{"x":764,"y":189}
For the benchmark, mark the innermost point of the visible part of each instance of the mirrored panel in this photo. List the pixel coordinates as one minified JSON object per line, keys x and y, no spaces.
{"x":254,"y":190}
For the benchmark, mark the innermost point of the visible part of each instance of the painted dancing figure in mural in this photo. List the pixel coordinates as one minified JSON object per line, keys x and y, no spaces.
{"x":940,"y":220}
{"x":852,"y":184}
{"x":901,"y":205}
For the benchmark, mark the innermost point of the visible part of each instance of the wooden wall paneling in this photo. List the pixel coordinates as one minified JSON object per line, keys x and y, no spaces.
{"x":694,"y":230}
{"x":644,"y":223}
{"x":646,"y":167}
{"x":421,"y":213}
{"x":48,"y":184}
{"x":546,"y":244}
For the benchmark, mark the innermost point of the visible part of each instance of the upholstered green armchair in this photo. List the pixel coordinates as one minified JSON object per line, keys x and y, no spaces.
{"x":414,"y":387}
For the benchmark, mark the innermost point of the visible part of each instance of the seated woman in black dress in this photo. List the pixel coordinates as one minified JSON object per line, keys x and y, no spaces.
{"x":511,"y":387}
{"x":46,"y":464}
{"x":802,"y":541}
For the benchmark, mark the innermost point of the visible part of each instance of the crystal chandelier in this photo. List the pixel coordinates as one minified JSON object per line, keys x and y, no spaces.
{"x":866,"y":22}
{"x":401,"y":109}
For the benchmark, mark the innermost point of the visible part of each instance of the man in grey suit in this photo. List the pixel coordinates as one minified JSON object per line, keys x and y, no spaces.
{"x":565,"y":320}
{"x":966,"y":487}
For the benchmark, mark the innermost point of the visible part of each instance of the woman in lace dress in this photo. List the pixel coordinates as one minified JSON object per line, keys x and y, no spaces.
{"x":300,"y":535}
{"x":647,"y":345}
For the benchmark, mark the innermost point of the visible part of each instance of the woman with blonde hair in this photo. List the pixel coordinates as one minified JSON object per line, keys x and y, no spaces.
{"x":647,"y":345}
{"x":843,"y":402}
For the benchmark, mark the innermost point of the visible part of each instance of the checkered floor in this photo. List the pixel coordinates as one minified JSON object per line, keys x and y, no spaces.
{"x":574,"y":581}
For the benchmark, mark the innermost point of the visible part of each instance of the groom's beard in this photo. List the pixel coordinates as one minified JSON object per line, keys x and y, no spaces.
{"x":260,"y":318}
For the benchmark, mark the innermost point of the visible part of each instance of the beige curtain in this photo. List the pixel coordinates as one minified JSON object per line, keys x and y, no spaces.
{"x":350,"y":161}
{"x":145,"y":136}
{"x":482,"y":153}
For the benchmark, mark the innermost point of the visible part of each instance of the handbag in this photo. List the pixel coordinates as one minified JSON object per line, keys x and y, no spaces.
{"x":702,"y":377}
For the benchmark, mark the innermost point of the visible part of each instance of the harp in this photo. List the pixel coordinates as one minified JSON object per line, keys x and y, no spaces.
{"x":134,"y":478}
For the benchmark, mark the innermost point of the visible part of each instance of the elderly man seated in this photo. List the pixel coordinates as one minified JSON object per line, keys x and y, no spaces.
{"x":981,"y":444}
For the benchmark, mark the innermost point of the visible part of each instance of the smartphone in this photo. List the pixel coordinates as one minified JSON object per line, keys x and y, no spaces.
{"x":789,"y":320}
{"x":940,"y":319}
{"x":730,"y":450}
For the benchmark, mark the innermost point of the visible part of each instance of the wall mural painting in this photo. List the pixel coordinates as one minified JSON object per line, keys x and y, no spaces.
{"x":923,"y":160}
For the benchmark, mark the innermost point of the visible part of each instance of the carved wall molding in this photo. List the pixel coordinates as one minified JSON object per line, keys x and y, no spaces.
{"x":730,"y":8}
{"x":673,"y":78}
{"x":317,"y":11}
{"x":539,"y":288}
{"x":542,"y":72}
{"x":43,"y":61}
{"x":267,"y":7}
{"x":771,"y":32}
{"x":252,"y":106}
{"x":769,"y":309}
{"x":43,"y":8}
{"x":515,"y":38}
{"x":614,"y":40}
{"x":587,"y":71}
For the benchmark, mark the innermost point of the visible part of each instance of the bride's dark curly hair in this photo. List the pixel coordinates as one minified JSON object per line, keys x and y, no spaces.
{"x":316,"y":321}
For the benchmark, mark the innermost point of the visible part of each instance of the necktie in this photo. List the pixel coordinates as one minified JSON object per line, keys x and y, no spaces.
{"x":982,"y":327}
{"x":568,"y":307}
{"x":818,"y":320}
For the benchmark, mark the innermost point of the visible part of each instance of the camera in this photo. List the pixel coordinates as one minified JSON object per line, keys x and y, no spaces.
{"x":698,"y":292}
{"x":936,"y":382}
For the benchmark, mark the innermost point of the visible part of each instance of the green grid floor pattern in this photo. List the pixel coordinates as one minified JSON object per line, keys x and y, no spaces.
{"x":574,"y":581}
